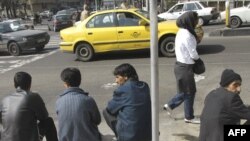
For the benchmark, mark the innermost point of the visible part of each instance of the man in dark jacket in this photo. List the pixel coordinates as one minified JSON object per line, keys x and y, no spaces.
{"x":78,"y":114}
{"x":21,"y":111}
{"x":223,"y":106}
{"x":129,"y":112}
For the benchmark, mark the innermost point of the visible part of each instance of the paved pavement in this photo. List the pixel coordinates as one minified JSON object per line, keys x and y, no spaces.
{"x":242,"y":31}
{"x":175,"y":129}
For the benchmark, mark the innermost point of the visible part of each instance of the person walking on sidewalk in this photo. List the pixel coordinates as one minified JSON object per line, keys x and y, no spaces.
{"x":21,"y":111}
{"x":85,"y":13}
{"x":186,"y":55}
{"x":128,"y":113}
{"x":77,"y":112}
{"x":223,"y":106}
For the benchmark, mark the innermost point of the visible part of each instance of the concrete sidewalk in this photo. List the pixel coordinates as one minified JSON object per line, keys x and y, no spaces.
{"x":243,"y":31}
{"x":170,"y":129}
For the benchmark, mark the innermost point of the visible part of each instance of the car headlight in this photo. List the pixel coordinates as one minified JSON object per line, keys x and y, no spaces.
{"x":25,"y":39}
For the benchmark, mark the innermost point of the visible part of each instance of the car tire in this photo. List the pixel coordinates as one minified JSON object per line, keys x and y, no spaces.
{"x":167,"y":46}
{"x":40,"y":48}
{"x":14,"y":49}
{"x":84,"y":52}
{"x":235,"y":22}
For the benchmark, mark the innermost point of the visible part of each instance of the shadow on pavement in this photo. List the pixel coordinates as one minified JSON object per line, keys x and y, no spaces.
{"x":210,"y":49}
{"x":34,"y":52}
{"x":186,"y":137}
{"x":31,"y":52}
{"x":120,"y":55}
{"x":107,"y":137}
{"x":4,"y":53}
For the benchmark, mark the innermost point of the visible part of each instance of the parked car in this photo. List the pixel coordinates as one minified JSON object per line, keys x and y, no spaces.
{"x":113,"y":30}
{"x":65,"y":12}
{"x":60,"y":22}
{"x":46,"y":14}
{"x":14,"y":38}
{"x":20,"y":22}
{"x":205,"y":13}
{"x":238,"y":16}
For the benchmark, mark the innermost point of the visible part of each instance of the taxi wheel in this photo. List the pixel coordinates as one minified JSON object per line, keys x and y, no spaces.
{"x":14,"y":49}
{"x":167,"y":47}
{"x":84,"y":52}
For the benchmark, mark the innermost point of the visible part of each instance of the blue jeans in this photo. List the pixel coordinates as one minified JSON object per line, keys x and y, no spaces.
{"x":188,"y":100}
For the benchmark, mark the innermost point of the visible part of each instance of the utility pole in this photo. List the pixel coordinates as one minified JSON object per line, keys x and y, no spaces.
{"x":154,"y":67}
{"x":95,"y":5}
{"x":31,"y":7}
{"x":227,"y":5}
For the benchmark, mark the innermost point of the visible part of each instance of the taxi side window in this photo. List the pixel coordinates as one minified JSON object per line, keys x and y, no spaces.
{"x":103,"y":20}
{"x":127,"y":19}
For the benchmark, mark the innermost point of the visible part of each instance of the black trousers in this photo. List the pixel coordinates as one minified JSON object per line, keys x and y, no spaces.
{"x":111,"y":120}
{"x":47,"y":128}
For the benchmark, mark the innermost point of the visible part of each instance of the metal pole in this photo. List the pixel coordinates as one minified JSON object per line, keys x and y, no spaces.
{"x":31,"y":7}
{"x":95,"y":5}
{"x":154,"y":69}
{"x":227,"y":13}
{"x":147,"y":5}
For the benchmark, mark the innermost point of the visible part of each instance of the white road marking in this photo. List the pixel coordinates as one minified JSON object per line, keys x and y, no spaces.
{"x":19,"y":63}
{"x":14,"y":61}
{"x":109,"y":85}
{"x":54,"y":42}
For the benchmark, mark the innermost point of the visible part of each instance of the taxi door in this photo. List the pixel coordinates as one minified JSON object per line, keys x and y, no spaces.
{"x":132,"y":35}
{"x":102,"y":33}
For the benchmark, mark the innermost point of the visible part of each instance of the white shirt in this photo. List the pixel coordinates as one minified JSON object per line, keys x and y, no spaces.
{"x":185,"y":47}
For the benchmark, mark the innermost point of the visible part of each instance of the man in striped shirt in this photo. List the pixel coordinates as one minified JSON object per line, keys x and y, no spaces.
{"x":78,"y":114}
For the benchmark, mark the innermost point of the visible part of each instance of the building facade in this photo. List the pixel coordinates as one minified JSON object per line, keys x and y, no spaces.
{"x":40,"y":5}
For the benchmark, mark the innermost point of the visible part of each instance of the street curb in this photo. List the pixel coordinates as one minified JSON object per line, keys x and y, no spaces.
{"x":231,"y":32}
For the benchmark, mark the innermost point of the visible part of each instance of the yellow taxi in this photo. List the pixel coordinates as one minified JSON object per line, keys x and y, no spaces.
{"x":113,"y":30}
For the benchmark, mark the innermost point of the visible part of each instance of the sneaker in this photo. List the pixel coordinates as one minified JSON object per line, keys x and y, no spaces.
{"x":168,"y":110}
{"x":194,"y":120}
{"x":114,"y":139}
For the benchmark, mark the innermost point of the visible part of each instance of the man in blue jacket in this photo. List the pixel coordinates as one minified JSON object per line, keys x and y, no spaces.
{"x":129,"y":112}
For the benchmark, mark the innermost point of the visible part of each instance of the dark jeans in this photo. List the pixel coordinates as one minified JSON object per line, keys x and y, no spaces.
{"x":110,"y":120}
{"x":188,"y":100}
{"x":47,"y":128}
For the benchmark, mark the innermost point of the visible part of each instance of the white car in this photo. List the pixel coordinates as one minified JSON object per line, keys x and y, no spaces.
{"x":46,"y":14}
{"x":205,"y":13}
{"x":238,"y":16}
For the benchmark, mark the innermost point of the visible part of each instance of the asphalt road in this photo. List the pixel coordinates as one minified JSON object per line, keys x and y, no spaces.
{"x":218,"y":53}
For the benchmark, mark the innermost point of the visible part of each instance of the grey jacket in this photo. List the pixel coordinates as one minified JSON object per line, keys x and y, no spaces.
{"x":20,"y":112}
{"x":221,"y":108}
{"x":78,"y":116}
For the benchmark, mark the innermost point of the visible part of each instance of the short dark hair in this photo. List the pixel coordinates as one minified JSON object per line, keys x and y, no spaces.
{"x":22,"y":80}
{"x":126,"y":70}
{"x":71,"y":76}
